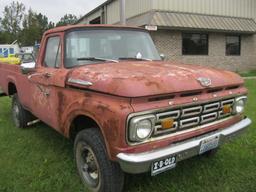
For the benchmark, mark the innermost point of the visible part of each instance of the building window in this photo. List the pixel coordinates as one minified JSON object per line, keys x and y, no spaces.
{"x":233,"y":45}
{"x":194,"y":44}
{"x":11,"y":50}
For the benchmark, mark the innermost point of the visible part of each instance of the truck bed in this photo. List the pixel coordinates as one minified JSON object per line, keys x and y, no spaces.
{"x":8,"y":73}
{"x":11,"y":75}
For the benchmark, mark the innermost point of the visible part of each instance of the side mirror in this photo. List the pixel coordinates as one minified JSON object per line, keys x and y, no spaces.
{"x":162,"y":56}
{"x":27,"y":68}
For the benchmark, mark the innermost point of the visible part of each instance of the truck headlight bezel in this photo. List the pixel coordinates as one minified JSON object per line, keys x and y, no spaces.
{"x":239,"y":105}
{"x":141,"y":128}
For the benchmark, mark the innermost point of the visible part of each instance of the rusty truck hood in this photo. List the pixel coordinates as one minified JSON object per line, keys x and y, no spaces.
{"x":137,"y":79}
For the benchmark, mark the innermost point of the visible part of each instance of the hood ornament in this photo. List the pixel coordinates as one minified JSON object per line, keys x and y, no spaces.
{"x":204,"y":81}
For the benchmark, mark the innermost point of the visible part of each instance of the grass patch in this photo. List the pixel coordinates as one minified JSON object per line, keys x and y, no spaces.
{"x":38,"y":159}
{"x":248,"y":73}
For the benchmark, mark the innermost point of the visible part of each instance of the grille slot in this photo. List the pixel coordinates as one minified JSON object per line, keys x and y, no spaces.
{"x":185,"y":123}
{"x":170,"y":114}
{"x":227,"y":102}
{"x":232,"y":87}
{"x":190,"y":117}
{"x":211,"y":107}
{"x":160,"y":130}
{"x":191,"y":94}
{"x":214,"y":90}
{"x":188,"y":112}
{"x":160,"y":98}
{"x":209,"y":117}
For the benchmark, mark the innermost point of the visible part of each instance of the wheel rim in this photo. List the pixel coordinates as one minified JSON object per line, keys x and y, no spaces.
{"x":88,"y":166}
{"x":15,"y":114}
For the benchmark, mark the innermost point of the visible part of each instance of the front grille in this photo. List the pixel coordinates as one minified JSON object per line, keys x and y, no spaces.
{"x":192,"y":116}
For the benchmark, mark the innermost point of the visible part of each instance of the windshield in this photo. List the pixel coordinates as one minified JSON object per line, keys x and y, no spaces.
{"x":104,"y":45}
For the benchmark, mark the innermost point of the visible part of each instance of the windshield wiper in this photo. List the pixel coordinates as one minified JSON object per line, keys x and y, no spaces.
{"x":95,"y":59}
{"x":134,"y":58}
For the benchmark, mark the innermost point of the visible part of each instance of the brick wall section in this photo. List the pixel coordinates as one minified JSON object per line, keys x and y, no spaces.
{"x":170,"y":43}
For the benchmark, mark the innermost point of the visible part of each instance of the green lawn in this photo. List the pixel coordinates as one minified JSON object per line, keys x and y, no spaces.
{"x":40,"y":160}
{"x":248,"y":73}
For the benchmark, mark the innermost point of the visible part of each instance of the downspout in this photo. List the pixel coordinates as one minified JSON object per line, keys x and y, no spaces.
{"x":122,"y":12}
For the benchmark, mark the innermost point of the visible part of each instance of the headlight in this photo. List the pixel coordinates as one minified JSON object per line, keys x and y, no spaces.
{"x":239,"y":105}
{"x":141,"y":128}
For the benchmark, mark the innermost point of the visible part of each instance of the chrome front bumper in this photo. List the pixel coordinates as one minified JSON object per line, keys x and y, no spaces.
{"x":141,"y":162}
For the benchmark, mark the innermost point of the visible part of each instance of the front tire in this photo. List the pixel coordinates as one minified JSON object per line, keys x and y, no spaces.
{"x":97,"y":172}
{"x":20,"y":116}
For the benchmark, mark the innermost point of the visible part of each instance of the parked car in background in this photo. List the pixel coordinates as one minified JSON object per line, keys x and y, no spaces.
{"x":127,"y":111}
{"x":26,"y":57}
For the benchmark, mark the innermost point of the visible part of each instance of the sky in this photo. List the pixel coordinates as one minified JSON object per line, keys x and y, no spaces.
{"x":55,"y":9}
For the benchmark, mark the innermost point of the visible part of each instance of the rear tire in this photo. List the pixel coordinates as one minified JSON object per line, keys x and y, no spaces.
{"x":97,"y":172}
{"x":20,"y":116}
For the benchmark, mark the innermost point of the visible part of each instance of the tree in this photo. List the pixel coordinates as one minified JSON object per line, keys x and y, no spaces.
{"x":12,"y":18}
{"x":34,"y":26}
{"x":27,"y":28}
{"x":51,"y":25}
{"x":68,"y":19}
{"x":31,"y":29}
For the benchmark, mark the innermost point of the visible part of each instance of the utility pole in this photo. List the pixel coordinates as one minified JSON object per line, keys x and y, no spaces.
{"x":122,"y":12}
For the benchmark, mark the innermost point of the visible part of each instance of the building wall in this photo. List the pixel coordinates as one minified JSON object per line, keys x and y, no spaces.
{"x":170,"y":43}
{"x":91,"y":17}
{"x":5,"y":49}
{"x":133,"y":8}
{"x":234,"y":8}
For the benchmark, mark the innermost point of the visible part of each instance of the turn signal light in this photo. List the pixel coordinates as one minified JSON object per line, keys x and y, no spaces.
{"x":167,"y":123}
{"x":227,"y":109}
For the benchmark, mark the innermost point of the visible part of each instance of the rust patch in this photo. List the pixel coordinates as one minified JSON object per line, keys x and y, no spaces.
{"x":152,"y":83}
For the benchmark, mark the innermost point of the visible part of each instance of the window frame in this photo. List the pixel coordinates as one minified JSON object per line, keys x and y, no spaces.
{"x":226,"y":45}
{"x":196,"y":33}
{"x":60,"y":50}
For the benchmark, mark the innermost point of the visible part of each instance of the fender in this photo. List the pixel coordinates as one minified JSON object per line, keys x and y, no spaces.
{"x":71,"y":115}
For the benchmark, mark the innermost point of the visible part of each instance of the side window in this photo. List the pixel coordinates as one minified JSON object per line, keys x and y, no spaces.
{"x":194,"y":44}
{"x":53,"y":53}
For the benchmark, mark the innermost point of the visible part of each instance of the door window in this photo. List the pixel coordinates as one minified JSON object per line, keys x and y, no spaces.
{"x":53,"y":53}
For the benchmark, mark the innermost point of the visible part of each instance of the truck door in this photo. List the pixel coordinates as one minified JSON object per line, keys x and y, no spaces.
{"x":48,"y":82}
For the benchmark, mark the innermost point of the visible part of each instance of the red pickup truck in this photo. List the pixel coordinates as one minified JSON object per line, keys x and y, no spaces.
{"x":127,"y":110}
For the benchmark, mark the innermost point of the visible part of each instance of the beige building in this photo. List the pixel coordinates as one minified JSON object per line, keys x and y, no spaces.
{"x":219,"y":33}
